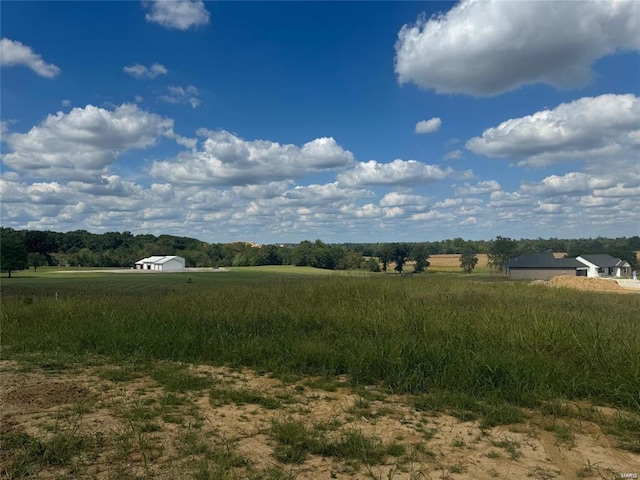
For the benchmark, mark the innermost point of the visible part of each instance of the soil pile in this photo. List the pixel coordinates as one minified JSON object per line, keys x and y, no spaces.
{"x":586,"y":283}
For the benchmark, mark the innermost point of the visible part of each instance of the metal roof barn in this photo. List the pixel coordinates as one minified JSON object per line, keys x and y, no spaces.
{"x":164,"y":263}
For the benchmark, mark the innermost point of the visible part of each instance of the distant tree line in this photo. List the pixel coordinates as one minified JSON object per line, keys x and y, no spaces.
{"x":22,"y":249}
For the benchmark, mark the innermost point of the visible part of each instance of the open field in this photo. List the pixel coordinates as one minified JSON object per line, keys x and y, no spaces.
{"x":282,"y":373}
{"x":452,"y":262}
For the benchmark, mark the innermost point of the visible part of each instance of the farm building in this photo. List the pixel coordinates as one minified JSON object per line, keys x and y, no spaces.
{"x":604,"y":265}
{"x":161,"y":263}
{"x":543,"y":266}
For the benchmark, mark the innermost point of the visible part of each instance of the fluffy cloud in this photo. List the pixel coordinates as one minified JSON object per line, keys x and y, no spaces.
{"x":398,"y":172}
{"x":617,"y":191}
{"x":590,"y":129}
{"x":573,"y":182}
{"x":429,"y":126}
{"x":107,"y":185}
{"x":594,"y":201}
{"x":177,"y":14}
{"x":225,"y":159}
{"x":323,"y":194}
{"x":15,"y":53}
{"x":81,"y":144}
{"x":396,"y":199}
{"x":433,"y":215}
{"x":140,"y":71}
{"x":485,"y":186}
{"x":285,"y":211}
{"x":180,"y":95}
{"x":488,"y":47}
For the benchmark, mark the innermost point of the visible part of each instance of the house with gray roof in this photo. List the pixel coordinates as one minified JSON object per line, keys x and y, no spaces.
{"x":543,"y":266}
{"x":604,"y":265}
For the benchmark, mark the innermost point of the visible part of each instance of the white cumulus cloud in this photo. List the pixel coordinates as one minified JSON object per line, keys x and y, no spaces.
{"x":14,"y":53}
{"x":573,"y":182}
{"x":486,"y":47}
{"x":81,"y":144}
{"x":590,"y":128}
{"x":226,"y":159}
{"x":177,"y":14}
{"x":397,"y":199}
{"x":482,"y":187}
{"x":140,"y":71}
{"x":429,"y":126}
{"x":398,"y":172}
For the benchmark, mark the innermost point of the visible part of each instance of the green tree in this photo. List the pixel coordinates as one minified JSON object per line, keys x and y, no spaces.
{"x":372,"y":264}
{"x":400,"y":253}
{"x":13,"y":254}
{"x":385,"y":254}
{"x":468,"y":260}
{"x":35,"y":260}
{"x":500,"y":251}
{"x":420,"y":253}
{"x":350,"y":260}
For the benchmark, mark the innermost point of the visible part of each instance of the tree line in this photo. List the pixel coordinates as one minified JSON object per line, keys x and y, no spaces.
{"x":22,"y":249}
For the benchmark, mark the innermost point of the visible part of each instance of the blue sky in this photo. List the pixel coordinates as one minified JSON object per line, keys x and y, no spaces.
{"x":346,"y":121}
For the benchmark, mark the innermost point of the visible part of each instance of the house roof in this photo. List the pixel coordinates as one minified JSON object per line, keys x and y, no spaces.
{"x":542,"y":260}
{"x":602,"y":260}
{"x":159,"y":259}
{"x":169,"y":257}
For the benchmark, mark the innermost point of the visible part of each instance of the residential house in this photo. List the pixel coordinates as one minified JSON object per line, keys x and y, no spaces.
{"x":604,"y":265}
{"x":542,"y":266}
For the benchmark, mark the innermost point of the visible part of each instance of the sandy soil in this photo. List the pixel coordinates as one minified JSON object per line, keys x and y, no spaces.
{"x":139,"y":428}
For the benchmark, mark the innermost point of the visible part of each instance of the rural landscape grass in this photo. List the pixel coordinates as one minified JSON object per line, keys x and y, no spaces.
{"x":475,"y":347}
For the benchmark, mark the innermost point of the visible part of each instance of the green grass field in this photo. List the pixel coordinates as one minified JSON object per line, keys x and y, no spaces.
{"x":471,"y":335}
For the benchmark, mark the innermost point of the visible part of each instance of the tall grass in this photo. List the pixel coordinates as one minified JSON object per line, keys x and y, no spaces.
{"x":493,"y":339}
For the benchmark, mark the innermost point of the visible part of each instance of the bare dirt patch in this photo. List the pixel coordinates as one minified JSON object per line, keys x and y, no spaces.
{"x":120,"y":426}
{"x":588,"y":284}
{"x":37,"y":392}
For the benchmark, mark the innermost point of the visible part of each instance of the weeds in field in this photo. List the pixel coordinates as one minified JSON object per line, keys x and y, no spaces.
{"x":486,"y":339}
{"x":62,"y":447}
{"x":626,"y":427}
{"x":178,"y":379}
{"x":509,"y":446}
{"x":295,"y":441}
{"x":222,"y":396}
{"x":479,"y":350}
{"x":563,"y":433}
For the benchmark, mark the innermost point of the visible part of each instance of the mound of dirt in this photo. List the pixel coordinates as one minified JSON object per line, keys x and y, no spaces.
{"x":586,"y":283}
{"x":38,"y":393}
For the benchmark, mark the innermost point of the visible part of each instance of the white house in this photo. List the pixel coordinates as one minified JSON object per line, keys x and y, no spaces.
{"x":161,"y":263}
{"x":604,"y":265}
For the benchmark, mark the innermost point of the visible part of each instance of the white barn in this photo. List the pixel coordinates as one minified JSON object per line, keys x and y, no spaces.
{"x":165,"y":263}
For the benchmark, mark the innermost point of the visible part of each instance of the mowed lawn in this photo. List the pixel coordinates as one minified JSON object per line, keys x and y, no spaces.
{"x":477,"y":335}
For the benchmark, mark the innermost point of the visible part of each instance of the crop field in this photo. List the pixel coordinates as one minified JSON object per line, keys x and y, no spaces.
{"x":289,"y":372}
